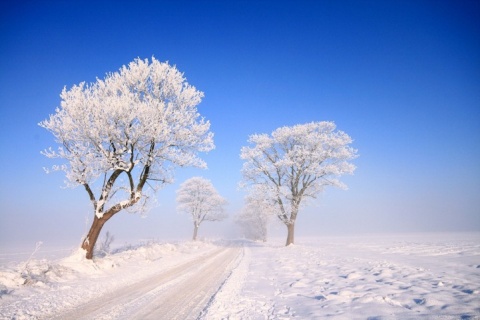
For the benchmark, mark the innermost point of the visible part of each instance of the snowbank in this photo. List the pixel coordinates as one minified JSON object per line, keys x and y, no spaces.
{"x":367,"y":277}
{"x":42,"y":288}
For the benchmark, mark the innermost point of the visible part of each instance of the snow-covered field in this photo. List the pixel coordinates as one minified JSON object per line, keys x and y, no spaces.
{"x":365,"y":277}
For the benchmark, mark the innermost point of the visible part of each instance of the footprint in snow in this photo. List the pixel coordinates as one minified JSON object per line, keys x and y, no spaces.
{"x":467,"y":291}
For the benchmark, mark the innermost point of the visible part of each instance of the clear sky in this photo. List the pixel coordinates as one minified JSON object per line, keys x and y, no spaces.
{"x":401,"y":77}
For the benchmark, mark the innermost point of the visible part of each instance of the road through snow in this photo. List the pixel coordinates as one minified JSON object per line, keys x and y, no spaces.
{"x":182,"y":292}
{"x":414,"y":276}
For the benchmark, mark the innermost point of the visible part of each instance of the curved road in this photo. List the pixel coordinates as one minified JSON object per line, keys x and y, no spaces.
{"x":181,"y":292}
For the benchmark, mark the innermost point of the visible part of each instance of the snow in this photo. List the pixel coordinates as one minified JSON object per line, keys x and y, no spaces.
{"x":48,"y":287}
{"x":364,"y":277}
{"x":377,"y":277}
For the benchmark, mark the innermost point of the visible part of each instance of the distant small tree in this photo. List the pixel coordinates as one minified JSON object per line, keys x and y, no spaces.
{"x":103,"y":247}
{"x":198,"y":197}
{"x":256,"y":213}
{"x":295,"y":163}
{"x":124,"y":133}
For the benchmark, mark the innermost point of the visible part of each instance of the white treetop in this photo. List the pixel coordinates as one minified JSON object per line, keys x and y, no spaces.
{"x":296,"y":163}
{"x":143,"y":116}
{"x":198,"y":197}
{"x":130,"y":129}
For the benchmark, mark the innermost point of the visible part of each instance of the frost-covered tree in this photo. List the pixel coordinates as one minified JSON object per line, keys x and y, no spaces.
{"x":256,"y":213}
{"x":198,"y":197}
{"x":122,"y":137}
{"x":294,"y":164}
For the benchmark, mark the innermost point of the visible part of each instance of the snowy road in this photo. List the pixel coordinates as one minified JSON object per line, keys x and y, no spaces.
{"x":181,"y":292}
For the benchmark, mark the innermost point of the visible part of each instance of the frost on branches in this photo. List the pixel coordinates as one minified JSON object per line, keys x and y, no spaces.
{"x":294,"y":164}
{"x":198,"y":197}
{"x":254,"y":217}
{"x":126,"y":132}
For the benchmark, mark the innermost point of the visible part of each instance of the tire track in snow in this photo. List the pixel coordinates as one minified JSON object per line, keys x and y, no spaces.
{"x":187,"y":299}
{"x":181,"y":292}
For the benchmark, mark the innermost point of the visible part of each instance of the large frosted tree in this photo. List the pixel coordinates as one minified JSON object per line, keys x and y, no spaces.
{"x":198,"y":197}
{"x":121,"y":137}
{"x":294,"y":164}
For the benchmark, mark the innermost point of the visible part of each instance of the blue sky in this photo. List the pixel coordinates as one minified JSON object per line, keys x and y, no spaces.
{"x":401,"y":77}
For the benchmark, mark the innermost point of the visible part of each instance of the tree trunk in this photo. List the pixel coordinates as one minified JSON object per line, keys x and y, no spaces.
{"x":195,"y":231}
{"x":291,"y":233}
{"x":89,"y":242}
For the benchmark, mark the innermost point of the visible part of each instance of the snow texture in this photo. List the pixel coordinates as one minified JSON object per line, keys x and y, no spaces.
{"x":366,"y":277}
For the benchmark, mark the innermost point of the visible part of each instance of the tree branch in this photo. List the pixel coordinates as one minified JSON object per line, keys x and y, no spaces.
{"x":91,"y":196}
